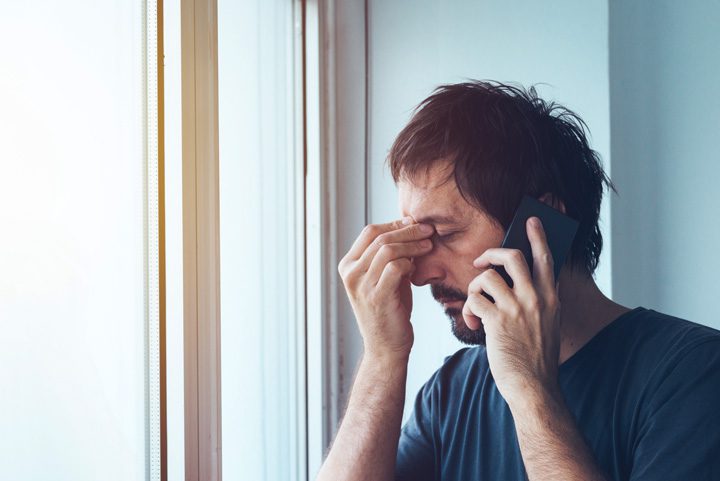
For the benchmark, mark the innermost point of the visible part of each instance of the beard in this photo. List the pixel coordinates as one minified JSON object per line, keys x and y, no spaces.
{"x":457,"y":324}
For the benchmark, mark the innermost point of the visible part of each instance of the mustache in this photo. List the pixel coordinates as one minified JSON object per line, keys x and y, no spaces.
{"x":440,"y":291}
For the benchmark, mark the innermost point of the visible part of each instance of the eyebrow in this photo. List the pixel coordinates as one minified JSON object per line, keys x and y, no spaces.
{"x":437,"y":220}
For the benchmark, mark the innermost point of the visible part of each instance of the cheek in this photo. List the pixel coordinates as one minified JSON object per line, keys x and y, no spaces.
{"x":487,"y":240}
{"x":461,"y":260}
{"x":460,"y":269}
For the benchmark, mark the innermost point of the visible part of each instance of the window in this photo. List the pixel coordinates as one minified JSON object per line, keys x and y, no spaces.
{"x":87,"y":165}
{"x":261,"y":242}
{"x":79,"y":291}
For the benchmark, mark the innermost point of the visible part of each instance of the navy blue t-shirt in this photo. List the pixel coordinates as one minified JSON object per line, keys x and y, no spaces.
{"x":645,"y":394}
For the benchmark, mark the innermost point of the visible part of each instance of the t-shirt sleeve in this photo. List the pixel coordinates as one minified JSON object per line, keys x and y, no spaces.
{"x":678,"y":435}
{"x":416,"y":448}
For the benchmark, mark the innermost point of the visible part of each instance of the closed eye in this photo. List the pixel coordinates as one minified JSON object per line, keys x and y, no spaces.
{"x":446,"y":237}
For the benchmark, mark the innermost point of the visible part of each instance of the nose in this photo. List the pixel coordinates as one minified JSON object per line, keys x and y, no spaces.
{"x":428,"y":270}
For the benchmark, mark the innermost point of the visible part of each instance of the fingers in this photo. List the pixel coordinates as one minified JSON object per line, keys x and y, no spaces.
{"x":475,"y":309}
{"x":388,"y":253}
{"x":516,"y":266}
{"x":512,"y":260}
{"x":379,"y":244}
{"x":404,"y":229}
{"x":543,"y":273}
{"x":393,"y":272}
{"x":410,"y":232}
{"x":477,"y":306}
{"x":369,"y":233}
{"x":406,"y":234}
{"x":491,"y":283}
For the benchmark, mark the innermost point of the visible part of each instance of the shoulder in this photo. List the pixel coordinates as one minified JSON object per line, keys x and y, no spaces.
{"x":649,"y":332}
{"x":666,"y":322}
{"x":674,"y":397}
{"x":668,"y":355}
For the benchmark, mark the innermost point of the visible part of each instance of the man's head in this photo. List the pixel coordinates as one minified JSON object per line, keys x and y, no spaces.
{"x":464,"y":161}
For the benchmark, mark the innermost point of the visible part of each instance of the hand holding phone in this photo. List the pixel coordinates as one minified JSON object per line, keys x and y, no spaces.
{"x":559,"y":229}
{"x":522,"y":329}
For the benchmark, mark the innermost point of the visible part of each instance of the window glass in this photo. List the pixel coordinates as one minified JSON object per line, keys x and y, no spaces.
{"x":73,"y":349}
{"x":258,"y":242}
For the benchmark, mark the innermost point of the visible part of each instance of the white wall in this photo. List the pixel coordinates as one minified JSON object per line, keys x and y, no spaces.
{"x":665,"y":72}
{"x":414,"y":46}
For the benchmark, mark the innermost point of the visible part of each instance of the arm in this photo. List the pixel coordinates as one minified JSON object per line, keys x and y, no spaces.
{"x":523,"y":343}
{"x":375,"y":273}
{"x":366,"y":444}
{"x":550,"y":442}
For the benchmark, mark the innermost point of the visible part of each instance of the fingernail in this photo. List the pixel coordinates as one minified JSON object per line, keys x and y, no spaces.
{"x":536,"y":223}
{"x":406,"y":220}
{"x":426,"y":228}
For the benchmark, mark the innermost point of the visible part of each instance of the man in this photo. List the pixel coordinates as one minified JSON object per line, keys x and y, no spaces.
{"x":562,"y":383}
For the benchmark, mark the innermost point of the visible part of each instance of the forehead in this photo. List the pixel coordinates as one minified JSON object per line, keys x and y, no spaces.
{"x":433,"y":198}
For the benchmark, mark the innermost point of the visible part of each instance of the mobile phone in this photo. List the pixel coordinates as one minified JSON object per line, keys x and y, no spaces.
{"x":560,"y":232}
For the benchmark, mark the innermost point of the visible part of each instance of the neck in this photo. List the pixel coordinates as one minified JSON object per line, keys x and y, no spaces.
{"x":584,"y":311}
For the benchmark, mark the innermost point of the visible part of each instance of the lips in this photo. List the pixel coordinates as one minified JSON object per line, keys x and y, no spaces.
{"x":443,"y":293}
{"x":448,"y":300}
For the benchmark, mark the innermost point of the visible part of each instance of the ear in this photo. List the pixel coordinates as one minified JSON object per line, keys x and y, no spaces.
{"x":552,"y":201}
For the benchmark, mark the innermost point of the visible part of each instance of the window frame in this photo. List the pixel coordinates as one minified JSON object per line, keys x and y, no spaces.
{"x":331,"y":117}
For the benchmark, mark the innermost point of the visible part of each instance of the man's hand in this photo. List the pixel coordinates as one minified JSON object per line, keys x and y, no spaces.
{"x":522,"y":327}
{"x":376,"y":272}
{"x":522,"y":332}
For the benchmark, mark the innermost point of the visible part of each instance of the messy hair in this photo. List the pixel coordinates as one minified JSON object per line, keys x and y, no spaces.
{"x":503,"y":142}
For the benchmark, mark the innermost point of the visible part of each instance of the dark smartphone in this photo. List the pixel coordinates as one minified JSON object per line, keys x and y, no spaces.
{"x":559,"y":229}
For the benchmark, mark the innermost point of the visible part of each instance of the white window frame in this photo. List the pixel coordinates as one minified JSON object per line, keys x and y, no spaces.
{"x":331,"y":93}
{"x":201,"y":246}
{"x":155,"y":242}
{"x":336,"y":71}
{"x":201,"y":240}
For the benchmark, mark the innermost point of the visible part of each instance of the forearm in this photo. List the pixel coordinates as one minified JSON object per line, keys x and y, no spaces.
{"x":552,"y":447}
{"x":366,"y":443}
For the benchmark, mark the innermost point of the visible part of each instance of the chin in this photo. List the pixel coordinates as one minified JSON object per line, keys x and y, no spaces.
{"x":463,"y":333}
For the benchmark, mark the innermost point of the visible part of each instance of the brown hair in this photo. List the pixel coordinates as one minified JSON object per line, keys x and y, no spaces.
{"x":505,"y":142}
